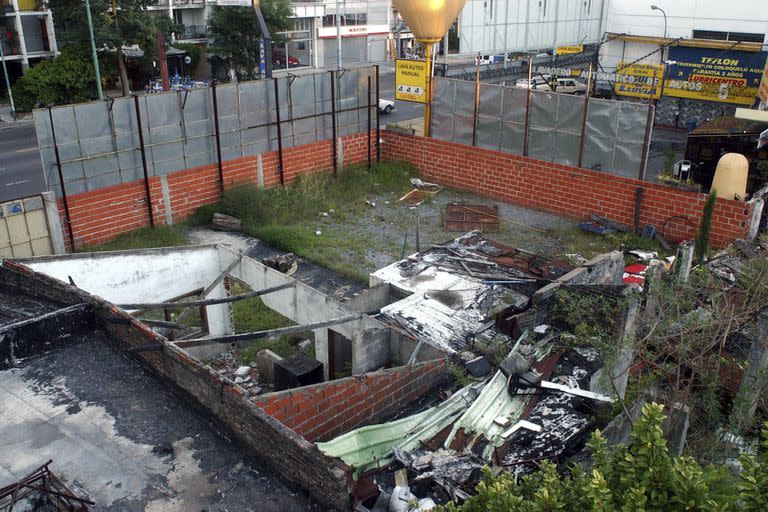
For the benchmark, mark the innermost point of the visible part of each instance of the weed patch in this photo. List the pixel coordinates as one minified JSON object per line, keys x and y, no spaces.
{"x":159,"y":236}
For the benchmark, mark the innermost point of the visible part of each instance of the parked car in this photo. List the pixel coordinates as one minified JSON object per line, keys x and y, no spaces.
{"x":603,"y":89}
{"x":386,"y":106}
{"x":537,"y":83}
{"x":570,"y":86}
{"x":278,"y":60}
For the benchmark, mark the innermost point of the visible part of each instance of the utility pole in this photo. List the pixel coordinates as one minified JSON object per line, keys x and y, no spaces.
{"x":7,"y":80}
{"x":93,"y":49}
{"x":338,"y":36}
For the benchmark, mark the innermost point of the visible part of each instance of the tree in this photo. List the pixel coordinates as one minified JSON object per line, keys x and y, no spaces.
{"x":116,"y":23}
{"x":701,"y":246}
{"x":234,"y":33}
{"x":64,"y":79}
{"x":638,"y":478}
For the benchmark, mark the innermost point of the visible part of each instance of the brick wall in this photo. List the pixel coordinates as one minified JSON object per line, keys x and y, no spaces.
{"x":326,"y":479}
{"x":565,"y":190}
{"x":101,"y":215}
{"x":324,"y":411}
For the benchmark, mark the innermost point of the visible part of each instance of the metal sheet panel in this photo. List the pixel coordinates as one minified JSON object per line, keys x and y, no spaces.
{"x":512,"y":135}
{"x":464,"y":98}
{"x":570,"y":111}
{"x":598,"y":153}
{"x":541,"y":144}
{"x":462,"y":129}
{"x":489,"y":133}
{"x":514,"y":104}
{"x":490,"y":100}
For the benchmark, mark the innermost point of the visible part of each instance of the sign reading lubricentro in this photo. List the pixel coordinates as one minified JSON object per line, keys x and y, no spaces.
{"x":731,"y":76}
{"x":568,"y":50}
{"x":639,"y":80}
{"x":411,"y":80}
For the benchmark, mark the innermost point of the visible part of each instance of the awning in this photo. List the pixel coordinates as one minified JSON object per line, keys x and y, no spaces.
{"x":696,"y":43}
{"x":729,"y":126}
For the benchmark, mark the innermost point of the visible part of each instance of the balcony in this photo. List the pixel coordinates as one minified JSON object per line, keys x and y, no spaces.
{"x":189,"y":3}
{"x":192,"y":32}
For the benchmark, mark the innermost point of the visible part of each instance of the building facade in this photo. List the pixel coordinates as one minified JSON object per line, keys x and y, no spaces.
{"x":26,"y":33}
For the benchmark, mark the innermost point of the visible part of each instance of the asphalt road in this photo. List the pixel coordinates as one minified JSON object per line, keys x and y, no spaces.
{"x":21,"y":170}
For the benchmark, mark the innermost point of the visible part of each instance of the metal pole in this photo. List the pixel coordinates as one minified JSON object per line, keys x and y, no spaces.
{"x":144,"y":161}
{"x":279,"y":134}
{"x":428,"y":104}
{"x":477,"y":100}
{"x":378,"y":118}
{"x":338,"y":36}
{"x":584,"y":114}
{"x":217,"y":133}
{"x":93,"y":49}
{"x":528,"y":105}
{"x":333,"y":121}
{"x":7,"y":81}
{"x":368,"y":130}
{"x":61,"y":181}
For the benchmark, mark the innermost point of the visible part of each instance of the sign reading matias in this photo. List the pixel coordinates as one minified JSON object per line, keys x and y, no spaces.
{"x":411,"y":80}
{"x":568,"y":50}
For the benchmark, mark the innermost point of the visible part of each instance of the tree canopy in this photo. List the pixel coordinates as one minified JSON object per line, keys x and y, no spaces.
{"x":234,"y":32}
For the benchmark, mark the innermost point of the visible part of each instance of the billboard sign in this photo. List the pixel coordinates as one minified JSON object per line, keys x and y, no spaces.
{"x":411,"y":80}
{"x":569,"y":50}
{"x":235,"y":3}
{"x":638,"y":80}
{"x":727,"y":76}
{"x":762,"y":91}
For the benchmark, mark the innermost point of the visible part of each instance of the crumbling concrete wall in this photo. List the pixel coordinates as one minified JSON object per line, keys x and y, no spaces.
{"x":324,"y":411}
{"x":305,"y":305}
{"x":605,"y":268}
{"x":224,"y":402}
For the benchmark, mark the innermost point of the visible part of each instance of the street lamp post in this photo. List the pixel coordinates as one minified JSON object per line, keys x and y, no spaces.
{"x":657,"y":8}
{"x":93,"y":49}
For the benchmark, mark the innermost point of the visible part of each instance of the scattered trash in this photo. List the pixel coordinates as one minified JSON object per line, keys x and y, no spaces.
{"x":416,"y":182}
{"x":370,"y":203}
{"x":644,"y":255}
{"x":463,"y":217}
{"x":285,"y":263}
{"x":576,"y":259}
{"x":318,"y":232}
{"x":541,"y":329}
{"x":242,"y":371}
{"x":324,"y":214}
{"x":417,"y":196}
{"x":635,"y":273}
{"x":223,"y":222}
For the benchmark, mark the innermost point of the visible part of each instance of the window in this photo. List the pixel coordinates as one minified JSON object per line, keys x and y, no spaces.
{"x":728,"y":36}
{"x":302,"y":24}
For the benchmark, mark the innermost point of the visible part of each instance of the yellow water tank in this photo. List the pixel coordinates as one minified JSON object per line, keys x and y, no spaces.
{"x":731,"y":176}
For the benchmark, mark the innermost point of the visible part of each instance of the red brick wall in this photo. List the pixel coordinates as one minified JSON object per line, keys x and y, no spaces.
{"x":324,"y":411}
{"x":101,"y":215}
{"x":565,"y":190}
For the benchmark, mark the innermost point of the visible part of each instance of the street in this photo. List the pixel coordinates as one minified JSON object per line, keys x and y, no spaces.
{"x":404,"y":110}
{"x":21,"y":170}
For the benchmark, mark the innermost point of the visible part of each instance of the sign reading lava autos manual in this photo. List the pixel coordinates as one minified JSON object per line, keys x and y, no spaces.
{"x":411,"y":80}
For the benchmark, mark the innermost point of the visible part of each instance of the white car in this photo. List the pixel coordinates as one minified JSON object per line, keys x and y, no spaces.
{"x":386,"y":106}
{"x":536,"y":82}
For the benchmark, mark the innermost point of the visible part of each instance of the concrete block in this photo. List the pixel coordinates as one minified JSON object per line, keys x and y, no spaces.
{"x":265,"y":362}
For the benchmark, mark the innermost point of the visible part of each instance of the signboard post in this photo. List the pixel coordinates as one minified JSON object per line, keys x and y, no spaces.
{"x":639,"y":80}
{"x":411,"y":80}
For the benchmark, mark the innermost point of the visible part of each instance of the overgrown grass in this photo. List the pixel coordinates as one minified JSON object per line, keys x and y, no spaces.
{"x":160,"y":236}
{"x":251,"y":315}
{"x":283,"y":217}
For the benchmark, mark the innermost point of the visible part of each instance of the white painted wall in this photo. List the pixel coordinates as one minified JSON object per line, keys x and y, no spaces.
{"x":685,"y":16}
{"x":498,"y":26}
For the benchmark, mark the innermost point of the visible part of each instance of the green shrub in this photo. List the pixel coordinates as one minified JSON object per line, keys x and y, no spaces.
{"x":68,"y":78}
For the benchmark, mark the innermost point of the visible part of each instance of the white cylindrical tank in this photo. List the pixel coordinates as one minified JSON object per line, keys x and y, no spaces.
{"x":730,"y":180}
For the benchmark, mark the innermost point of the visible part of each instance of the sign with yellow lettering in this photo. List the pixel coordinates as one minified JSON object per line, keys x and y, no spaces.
{"x":731,"y":76}
{"x":411,"y":80}
{"x":639,"y":80}
{"x":762,"y":92}
{"x":568,"y":50}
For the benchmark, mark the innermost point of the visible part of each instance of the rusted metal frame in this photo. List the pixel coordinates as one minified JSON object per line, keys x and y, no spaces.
{"x":529,"y":91}
{"x":167,"y":316}
{"x":208,"y":289}
{"x":217,"y":134}
{"x":368,"y":127}
{"x":477,"y":101}
{"x":584,"y":115}
{"x":333,"y":122}
{"x":279,"y":133}
{"x":378,"y":118}
{"x":67,"y":219}
{"x":144,"y":161}
{"x":208,"y":302}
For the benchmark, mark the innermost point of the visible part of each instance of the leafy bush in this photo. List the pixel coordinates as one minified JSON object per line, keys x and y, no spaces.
{"x":68,"y":78}
{"x":642,"y":477}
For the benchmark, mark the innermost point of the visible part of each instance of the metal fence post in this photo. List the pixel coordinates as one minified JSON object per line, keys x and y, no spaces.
{"x":217,"y":133}
{"x":333,"y":121}
{"x":528,"y":106}
{"x":368,"y":128}
{"x":378,"y":118}
{"x":61,"y":182}
{"x":144,"y":161}
{"x":279,"y":134}
{"x":477,"y":100}
{"x":584,"y":115}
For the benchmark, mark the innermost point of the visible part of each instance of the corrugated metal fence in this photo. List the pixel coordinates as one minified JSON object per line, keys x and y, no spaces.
{"x":598,"y":134}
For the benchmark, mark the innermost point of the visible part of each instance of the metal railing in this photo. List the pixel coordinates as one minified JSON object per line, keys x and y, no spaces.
{"x":193,"y":32}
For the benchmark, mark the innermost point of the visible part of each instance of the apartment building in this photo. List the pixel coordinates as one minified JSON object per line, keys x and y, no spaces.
{"x":26,"y":33}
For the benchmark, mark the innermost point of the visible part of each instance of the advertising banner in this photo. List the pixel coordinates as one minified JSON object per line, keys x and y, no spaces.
{"x":727,"y":76}
{"x":762,"y":92}
{"x":638,"y":80}
{"x":411,"y":80}
{"x":568,"y":50}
